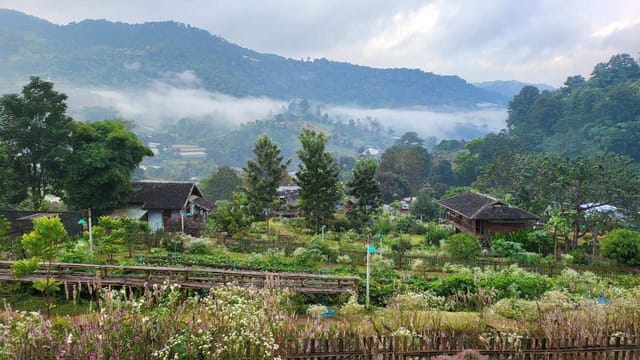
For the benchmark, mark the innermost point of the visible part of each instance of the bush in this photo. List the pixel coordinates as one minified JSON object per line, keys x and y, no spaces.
{"x":434,"y":233}
{"x":197,"y":246}
{"x":518,"y":283}
{"x":409,"y":225}
{"x":463,"y":246}
{"x":538,"y":241}
{"x":622,"y":246}
{"x":173,"y":242}
{"x":452,"y":284}
{"x":503,"y":247}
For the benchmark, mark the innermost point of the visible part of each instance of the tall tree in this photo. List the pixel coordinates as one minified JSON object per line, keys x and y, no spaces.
{"x":263,"y":175}
{"x":365,"y":192}
{"x":221,"y":184}
{"x":36,"y":133}
{"x":317,"y":177}
{"x":409,"y":160}
{"x":99,"y":169}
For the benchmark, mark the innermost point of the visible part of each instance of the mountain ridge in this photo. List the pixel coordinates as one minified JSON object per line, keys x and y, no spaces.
{"x":117,"y":54}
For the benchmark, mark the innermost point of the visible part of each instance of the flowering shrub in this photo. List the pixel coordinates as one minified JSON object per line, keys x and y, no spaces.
{"x":228,"y":323}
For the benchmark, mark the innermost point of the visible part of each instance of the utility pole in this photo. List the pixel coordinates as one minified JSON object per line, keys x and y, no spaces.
{"x":90,"y":233}
{"x":368,"y":269}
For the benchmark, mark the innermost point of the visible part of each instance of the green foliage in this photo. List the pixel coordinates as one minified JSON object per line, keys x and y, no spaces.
{"x":43,"y":242}
{"x":317,"y":177}
{"x":35,"y":135}
{"x":425,"y":207}
{"x":539,"y":241}
{"x":503,"y":247}
{"x":435,"y":233}
{"x":48,"y":284}
{"x":109,"y":235}
{"x":401,"y":247}
{"x":382,"y":286}
{"x":263,"y":176}
{"x":364,"y":189}
{"x":517,"y":283}
{"x":573,"y":185}
{"x":99,"y":169}
{"x":463,"y":246}
{"x":25,"y":267}
{"x":452,"y":284}
{"x":220,"y":185}
{"x":408,"y":161}
{"x":5,"y":242}
{"x":232,"y":216}
{"x":622,"y":246}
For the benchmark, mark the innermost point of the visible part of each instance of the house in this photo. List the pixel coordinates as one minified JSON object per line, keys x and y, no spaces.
{"x":288,"y":195}
{"x":22,"y":221}
{"x":483,"y":215}
{"x":167,"y":205}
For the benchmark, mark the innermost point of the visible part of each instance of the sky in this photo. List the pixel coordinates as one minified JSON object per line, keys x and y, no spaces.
{"x":536,"y":41}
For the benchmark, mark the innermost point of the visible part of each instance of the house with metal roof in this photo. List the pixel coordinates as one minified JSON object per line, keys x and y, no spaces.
{"x":483,"y":216}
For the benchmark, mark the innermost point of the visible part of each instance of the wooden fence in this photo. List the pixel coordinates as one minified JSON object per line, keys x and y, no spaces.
{"x":186,"y":277}
{"x":424,"y":346}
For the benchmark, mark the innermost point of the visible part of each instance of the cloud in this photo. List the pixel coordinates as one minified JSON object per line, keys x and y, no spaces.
{"x":173,"y":97}
{"x":455,"y":125}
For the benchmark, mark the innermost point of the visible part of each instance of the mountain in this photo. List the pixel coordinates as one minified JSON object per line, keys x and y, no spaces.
{"x":119,"y":55}
{"x":509,"y":88}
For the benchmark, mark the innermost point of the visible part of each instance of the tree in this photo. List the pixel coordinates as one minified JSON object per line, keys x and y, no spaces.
{"x":365,"y":192}
{"x":36,"y":133}
{"x":43,"y":243}
{"x":220,"y":185}
{"x":409,"y":160}
{"x":463,"y":246}
{"x":232,"y":216}
{"x":623,"y":246}
{"x":99,"y":169}
{"x":317,"y":177}
{"x":401,"y":247}
{"x":109,"y":235}
{"x":263,"y":175}
{"x":425,"y":206}
{"x":572,"y":187}
{"x":619,"y":68}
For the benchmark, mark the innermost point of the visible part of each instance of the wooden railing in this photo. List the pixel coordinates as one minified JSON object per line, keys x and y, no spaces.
{"x":186,"y":277}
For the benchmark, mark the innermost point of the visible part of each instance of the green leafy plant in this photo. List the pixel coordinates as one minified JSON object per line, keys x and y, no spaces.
{"x":622,"y":246}
{"x":463,"y":246}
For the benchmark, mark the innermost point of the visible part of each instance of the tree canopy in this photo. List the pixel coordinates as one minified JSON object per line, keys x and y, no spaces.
{"x":35,"y":135}
{"x":221,"y":184}
{"x":263,"y":175}
{"x":43,"y":151}
{"x":317,"y":176}
{"x":364,"y":189}
{"x":98,"y":170}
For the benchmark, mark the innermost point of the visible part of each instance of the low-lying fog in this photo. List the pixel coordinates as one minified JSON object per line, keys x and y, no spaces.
{"x":178,"y":96}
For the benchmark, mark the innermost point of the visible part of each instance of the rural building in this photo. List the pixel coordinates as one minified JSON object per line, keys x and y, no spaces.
{"x":288,"y":196}
{"x":167,"y":205}
{"x":22,"y":221}
{"x":483,"y":215}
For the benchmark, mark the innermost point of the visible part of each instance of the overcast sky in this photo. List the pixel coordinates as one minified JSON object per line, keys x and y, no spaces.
{"x":528,"y":40}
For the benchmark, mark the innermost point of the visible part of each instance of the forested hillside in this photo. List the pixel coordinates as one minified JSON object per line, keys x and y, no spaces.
{"x":585,"y":117}
{"x":119,"y":55}
{"x":566,"y":151}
